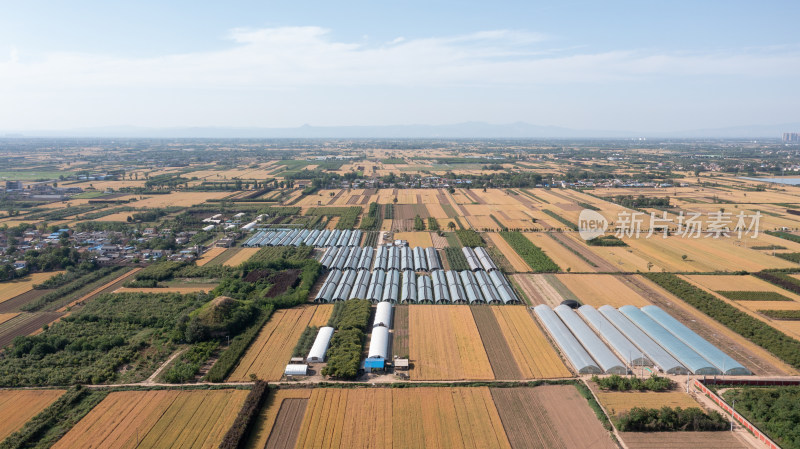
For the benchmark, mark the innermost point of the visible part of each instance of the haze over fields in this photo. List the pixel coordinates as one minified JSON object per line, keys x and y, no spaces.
{"x":575,"y":69}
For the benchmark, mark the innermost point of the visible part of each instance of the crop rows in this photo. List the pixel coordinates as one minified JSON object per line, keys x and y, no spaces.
{"x":564,"y":221}
{"x":753,"y":296}
{"x":456,"y":259}
{"x":532,"y":254}
{"x":469,"y":237}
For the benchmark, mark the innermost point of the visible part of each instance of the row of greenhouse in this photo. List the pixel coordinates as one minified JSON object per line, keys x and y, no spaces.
{"x":384,"y":258}
{"x":610,"y":341}
{"x":441,"y":287}
{"x":325,"y":238}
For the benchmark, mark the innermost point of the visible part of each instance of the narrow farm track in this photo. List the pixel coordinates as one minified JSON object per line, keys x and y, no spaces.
{"x":602,"y":264}
{"x":717,"y":334}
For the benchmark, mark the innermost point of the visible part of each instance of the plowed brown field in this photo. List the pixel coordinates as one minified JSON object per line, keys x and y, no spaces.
{"x":551,"y":416}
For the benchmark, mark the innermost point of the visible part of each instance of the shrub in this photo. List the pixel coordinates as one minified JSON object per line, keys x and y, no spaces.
{"x":235,"y":437}
{"x":640,"y":419}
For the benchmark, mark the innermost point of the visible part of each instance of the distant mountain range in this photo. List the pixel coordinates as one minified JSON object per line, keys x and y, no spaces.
{"x":464,"y":130}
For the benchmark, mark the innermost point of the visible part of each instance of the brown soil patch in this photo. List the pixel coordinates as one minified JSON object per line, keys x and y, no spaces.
{"x":681,"y":440}
{"x":400,"y":331}
{"x":13,"y":304}
{"x":552,"y":416}
{"x":287,"y":425}
{"x":25,"y":324}
{"x":500,"y":356}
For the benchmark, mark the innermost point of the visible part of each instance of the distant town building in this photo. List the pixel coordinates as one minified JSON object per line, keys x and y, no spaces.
{"x":791,"y":137}
{"x":13,"y":185}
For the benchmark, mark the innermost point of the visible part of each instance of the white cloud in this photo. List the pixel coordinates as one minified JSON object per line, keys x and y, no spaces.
{"x":275,"y":58}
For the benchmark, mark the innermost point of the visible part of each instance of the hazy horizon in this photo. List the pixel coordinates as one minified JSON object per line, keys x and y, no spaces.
{"x":626,"y":66}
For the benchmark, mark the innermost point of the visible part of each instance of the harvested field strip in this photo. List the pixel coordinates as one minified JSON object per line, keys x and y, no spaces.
{"x":545,"y":417}
{"x":682,"y":440}
{"x":400,"y":331}
{"x":269,"y":414}
{"x":616,"y":402}
{"x":19,"y":406}
{"x":446,"y":345}
{"x":7,"y":316}
{"x":535,"y":356}
{"x":401,"y":418}
{"x":183,"y":290}
{"x":538,"y":289}
{"x":17,"y":287}
{"x":242,"y":255}
{"x":269,"y":353}
{"x":25,"y":324}
{"x":166,"y":418}
{"x":209,"y":255}
{"x":502,"y":360}
{"x":14,"y":304}
{"x":514,"y":259}
{"x":287,"y":424}
{"x":105,"y":288}
{"x":600,"y":289}
{"x":439,"y":242}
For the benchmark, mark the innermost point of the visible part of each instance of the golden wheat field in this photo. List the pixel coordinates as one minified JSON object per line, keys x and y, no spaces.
{"x":616,"y":402}
{"x":209,"y":255}
{"x":535,"y":356}
{"x":446,"y":345}
{"x":401,"y":418}
{"x":270,"y":352}
{"x":242,"y":255}
{"x":165,"y":418}
{"x":19,"y":406}
{"x":10,"y":289}
{"x":600,"y":289}
{"x":417,"y":238}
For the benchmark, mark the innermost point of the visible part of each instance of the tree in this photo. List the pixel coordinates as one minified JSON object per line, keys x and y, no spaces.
{"x":451,"y":226}
{"x":684,"y":257}
{"x":394,"y":200}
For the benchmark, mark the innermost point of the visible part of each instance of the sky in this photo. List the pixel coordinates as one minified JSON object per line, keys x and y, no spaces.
{"x":613,"y":65}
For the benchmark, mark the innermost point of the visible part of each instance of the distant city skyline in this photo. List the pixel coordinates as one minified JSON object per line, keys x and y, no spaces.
{"x":619,"y":66}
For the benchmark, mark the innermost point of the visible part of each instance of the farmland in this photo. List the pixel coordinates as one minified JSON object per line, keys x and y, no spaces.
{"x":209,"y":255}
{"x":384,"y":417}
{"x":445,"y":344}
{"x":269,"y":353}
{"x":536,"y":358}
{"x":157,"y":419}
{"x":545,"y":417}
{"x":621,"y":401}
{"x":683,"y":440}
{"x":18,"y":406}
{"x":10,"y":289}
{"x":600,"y":289}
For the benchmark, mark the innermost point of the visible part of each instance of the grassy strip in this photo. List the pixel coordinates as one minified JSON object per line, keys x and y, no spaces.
{"x":781,"y":280}
{"x":532,"y":254}
{"x":760,"y":333}
{"x":791,"y":257}
{"x":469,"y":237}
{"x":572,"y":250}
{"x":373,"y":219}
{"x":619,"y":383}
{"x":456,"y":259}
{"x":598,"y":411}
{"x":608,"y":240}
{"x":563,"y":220}
{"x":502,"y":226}
{"x":588,"y":206}
{"x":305,"y":342}
{"x":44,"y":429}
{"x":452,"y":240}
{"x":784,"y":235}
{"x":753,"y":296}
{"x":227,"y":360}
{"x":527,"y":192}
{"x":788,"y":315}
